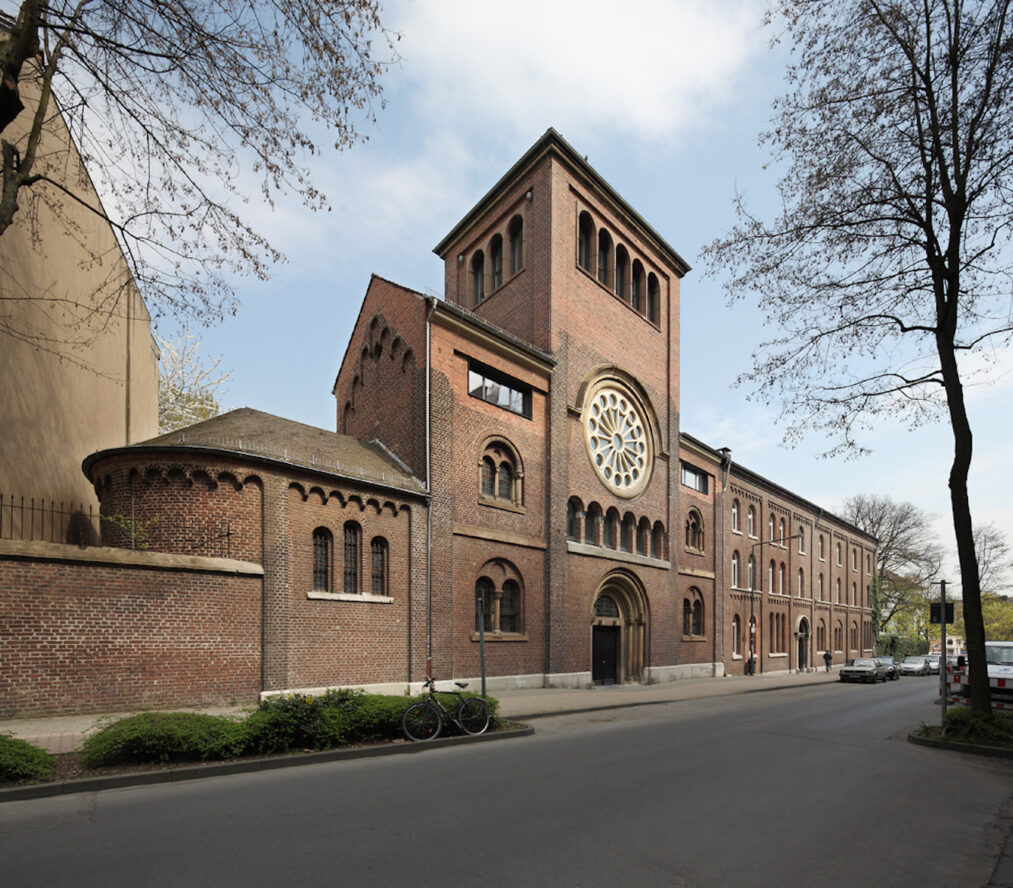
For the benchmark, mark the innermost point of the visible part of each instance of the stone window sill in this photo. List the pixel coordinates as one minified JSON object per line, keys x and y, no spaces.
{"x":350,"y":596}
{"x":501,"y":636}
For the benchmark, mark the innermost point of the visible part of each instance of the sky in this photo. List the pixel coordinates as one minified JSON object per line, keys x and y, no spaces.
{"x":666,"y":100}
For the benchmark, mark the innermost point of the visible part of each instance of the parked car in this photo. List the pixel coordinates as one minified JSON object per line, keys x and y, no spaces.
{"x":892,"y":672}
{"x":863,"y":669}
{"x":934,"y":660}
{"x":915,"y":666}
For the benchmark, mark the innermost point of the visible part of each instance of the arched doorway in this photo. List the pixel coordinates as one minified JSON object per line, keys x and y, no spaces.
{"x":618,"y":631}
{"x":803,"y":644}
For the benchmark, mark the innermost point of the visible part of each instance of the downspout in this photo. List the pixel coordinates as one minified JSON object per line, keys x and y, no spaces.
{"x":429,"y":490}
{"x":719,"y":553}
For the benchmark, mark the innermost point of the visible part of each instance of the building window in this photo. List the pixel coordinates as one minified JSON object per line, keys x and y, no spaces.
{"x":353,"y":538}
{"x":637,"y":291}
{"x":653,"y":299}
{"x":819,"y":589}
{"x":839,"y":555}
{"x":801,"y":540}
{"x":584,"y":236}
{"x":499,"y":389}
{"x":484,"y":590}
{"x":751,"y":522}
{"x":502,"y":606}
{"x":770,"y":528}
{"x":737,"y":636}
{"x":801,"y":583}
{"x":323,"y":546}
{"x":496,"y":261}
{"x":500,"y":476}
{"x":643,"y":537}
{"x":735,"y":516}
{"x":694,"y":531}
{"x":510,"y":607}
{"x":854,"y":594}
{"x":694,"y":478}
{"x":622,"y":272}
{"x":592,"y":525}
{"x":780,"y":532}
{"x":574,"y":516}
{"x":820,"y":549}
{"x":658,"y":540}
{"x":604,"y":248}
{"x":735,"y":569}
{"x":854,"y":559}
{"x":770,"y":576}
{"x":751,"y":571}
{"x":379,"y":557}
{"x":478,"y":277}
{"x":692,"y":614}
{"x":606,"y":607}
{"x":781,"y":590}
{"x":516,"y":233}
{"x":837,"y":591}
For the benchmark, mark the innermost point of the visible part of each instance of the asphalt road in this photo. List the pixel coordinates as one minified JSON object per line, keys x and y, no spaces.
{"x":794,"y":787}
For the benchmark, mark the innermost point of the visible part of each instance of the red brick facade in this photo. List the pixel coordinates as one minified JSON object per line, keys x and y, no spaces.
{"x":516,"y":443}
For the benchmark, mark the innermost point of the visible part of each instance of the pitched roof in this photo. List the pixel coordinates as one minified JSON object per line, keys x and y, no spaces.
{"x":276,"y":439}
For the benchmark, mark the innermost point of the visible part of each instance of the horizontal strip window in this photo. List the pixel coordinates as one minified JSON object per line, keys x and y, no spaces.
{"x":499,"y":389}
{"x":694,"y":478}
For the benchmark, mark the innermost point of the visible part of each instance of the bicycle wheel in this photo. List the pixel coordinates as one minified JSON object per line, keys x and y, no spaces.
{"x":473,"y":715}
{"x":422,"y":721}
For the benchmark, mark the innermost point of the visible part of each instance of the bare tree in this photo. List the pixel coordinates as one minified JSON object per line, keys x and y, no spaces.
{"x":190,"y":387}
{"x":908,"y":558}
{"x":995,"y":560}
{"x":887,"y":268}
{"x":179,"y":111}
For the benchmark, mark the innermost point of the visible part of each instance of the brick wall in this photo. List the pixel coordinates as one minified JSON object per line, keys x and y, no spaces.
{"x":101,"y":630}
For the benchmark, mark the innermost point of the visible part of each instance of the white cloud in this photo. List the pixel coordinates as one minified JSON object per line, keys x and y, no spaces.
{"x":647,"y":69}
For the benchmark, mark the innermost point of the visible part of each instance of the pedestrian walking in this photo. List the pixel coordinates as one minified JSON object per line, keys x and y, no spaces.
{"x":827,"y":658}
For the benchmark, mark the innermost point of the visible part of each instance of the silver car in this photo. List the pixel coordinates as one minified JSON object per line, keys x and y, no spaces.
{"x":867,"y":669}
{"x":915,"y":666}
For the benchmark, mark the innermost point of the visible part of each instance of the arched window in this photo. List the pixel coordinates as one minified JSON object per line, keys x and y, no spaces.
{"x":780,"y":532}
{"x":854,"y":636}
{"x":323,"y":545}
{"x":781,"y":589}
{"x":801,"y":583}
{"x":751,"y":522}
{"x":606,"y":606}
{"x":622,"y":272}
{"x":510,"y":607}
{"x":500,"y":475}
{"x":751,"y":572}
{"x":737,"y":635}
{"x":658,"y":540}
{"x":628,"y":532}
{"x":379,"y":557}
{"x":854,"y":559}
{"x":735,"y":569}
{"x":611,"y":540}
{"x":801,"y":540}
{"x":653,"y":299}
{"x":488,"y":480}
{"x":592,"y":525}
{"x":353,"y":545}
{"x":692,"y":614}
{"x":478,"y":277}
{"x":516,"y":232}
{"x":770,"y":576}
{"x":643,"y":536}
{"x":484,"y":590}
{"x":637,"y":289}
{"x":838,"y":554}
{"x":820,"y":548}
{"x":819,"y":589}
{"x":604,"y":256}
{"x":585,"y":234}
{"x":854,"y":595}
{"x":837,"y":591}
{"x":735,"y":515}
{"x":496,"y":261}
{"x":574,"y":516}
{"x":770,"y":528}
{"x":694,"y":531}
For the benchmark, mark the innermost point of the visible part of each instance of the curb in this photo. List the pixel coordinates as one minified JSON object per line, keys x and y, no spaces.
{"x":937,"y":743}
{"x":266,"y":763}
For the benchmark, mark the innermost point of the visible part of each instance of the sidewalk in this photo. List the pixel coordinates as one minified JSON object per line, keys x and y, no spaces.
{"x":62,"y":734}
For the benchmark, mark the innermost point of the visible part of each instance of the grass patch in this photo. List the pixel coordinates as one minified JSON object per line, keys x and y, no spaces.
{"x":962,"y":725}
{"x":21,"y":761}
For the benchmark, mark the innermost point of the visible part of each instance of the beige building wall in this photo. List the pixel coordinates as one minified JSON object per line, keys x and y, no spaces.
{"x":78,"y":364}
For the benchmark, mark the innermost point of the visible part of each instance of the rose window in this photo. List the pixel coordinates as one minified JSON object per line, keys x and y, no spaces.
{"x":617,"y":440}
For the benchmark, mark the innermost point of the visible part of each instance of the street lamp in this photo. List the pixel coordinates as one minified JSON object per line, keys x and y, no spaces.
{"x":751,"y":567}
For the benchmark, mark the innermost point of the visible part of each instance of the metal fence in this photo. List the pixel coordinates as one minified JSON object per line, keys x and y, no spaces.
{"x":30,"y":519}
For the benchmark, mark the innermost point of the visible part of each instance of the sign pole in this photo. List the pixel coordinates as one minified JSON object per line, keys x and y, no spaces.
{"x":945,"y":664}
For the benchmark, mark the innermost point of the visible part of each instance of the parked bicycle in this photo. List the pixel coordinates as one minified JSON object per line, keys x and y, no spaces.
{"x":423,"y":720}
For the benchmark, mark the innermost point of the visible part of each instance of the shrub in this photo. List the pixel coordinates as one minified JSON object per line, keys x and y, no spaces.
{"x":164,"y":737}
{"x":20,"y":760}
{"x":965,"y":726}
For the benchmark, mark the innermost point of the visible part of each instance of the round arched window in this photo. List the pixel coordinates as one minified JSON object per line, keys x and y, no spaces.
{"x":617,"y":438}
